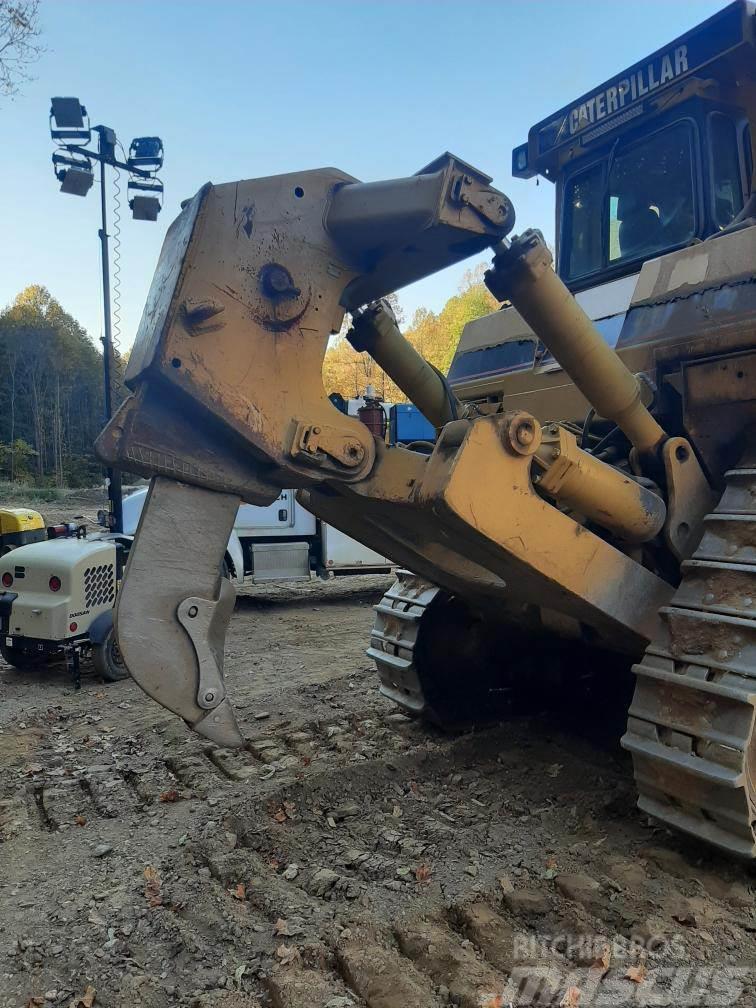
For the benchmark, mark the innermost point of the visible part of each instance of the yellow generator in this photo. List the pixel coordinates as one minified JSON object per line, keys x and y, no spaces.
{"x":56,"y":600}
{"x":19,"y":526}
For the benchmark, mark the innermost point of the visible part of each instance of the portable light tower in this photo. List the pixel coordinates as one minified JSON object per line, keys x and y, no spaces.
{"x":72,"y":164}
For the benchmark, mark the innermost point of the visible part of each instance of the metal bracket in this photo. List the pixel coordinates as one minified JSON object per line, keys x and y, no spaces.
{"x":200,"y":618}
{"x":689,"y":497}
{"x":490,"y":204}
{"x":317,"y":443}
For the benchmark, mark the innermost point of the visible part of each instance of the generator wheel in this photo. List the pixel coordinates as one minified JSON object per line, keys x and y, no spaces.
{"x":107,"y":659}
{"x":21,"y":659}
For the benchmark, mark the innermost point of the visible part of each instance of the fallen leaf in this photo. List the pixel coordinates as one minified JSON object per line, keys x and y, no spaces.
{"x":636,"y":973}
{"x":86,"y":1000}
{"x":79,"y":820}
{"x":422,"y":873}
{"x":170,"y":796}
{"x":290,"y":809}
{"x":306,"y":760}
{"x":552,"y":868}
{"x":239,"y":891}
{"x":603,"y":961}
{"x":274,"y":863}
{"x":492,"y":1001}
{"x":34,"y":1001}
{"x":571,"y":998}
{"x":280,"y":814}
{"x":287,"y":954}
{"x":553,"y":771}
{"x":152,"y":888}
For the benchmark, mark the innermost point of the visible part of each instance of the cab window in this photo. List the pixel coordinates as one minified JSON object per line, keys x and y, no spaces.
{"x":644,"y":207}
{"x":583,"y":222}
{"x":651,"y":192}
{"x":727,"y":195}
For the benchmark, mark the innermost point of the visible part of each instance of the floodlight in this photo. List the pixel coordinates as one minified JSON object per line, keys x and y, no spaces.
{"x":145,"y":203}
{"x":145,"y":208}
{"x":69,"y":115}
{"x":76,"y":181}
{"x":74,"y":173}
{"x":146,"y":153}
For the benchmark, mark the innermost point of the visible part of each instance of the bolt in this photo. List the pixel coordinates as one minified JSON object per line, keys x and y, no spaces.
{"x":525,"y":433}
{"x":555,"y":453}
{"x":276,"y":282}
{"x":708,"y":598}
{"x":316,"y":430}
{"x":747,"y":601}
{"x":554,"y":429}
{"x":209,"y":696}
{"x":193,"y":611}
{"x":355,"y":451}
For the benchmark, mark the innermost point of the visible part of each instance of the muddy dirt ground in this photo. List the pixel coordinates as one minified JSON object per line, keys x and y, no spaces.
{"x":348,"y":856}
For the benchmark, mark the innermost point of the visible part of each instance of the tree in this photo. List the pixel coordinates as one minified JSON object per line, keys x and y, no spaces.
{"x":19,"y":48}
{"x":50,"y":387}
{"x":435,"y":337}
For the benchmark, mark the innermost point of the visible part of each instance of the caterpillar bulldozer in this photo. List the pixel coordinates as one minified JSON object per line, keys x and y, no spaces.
{"x":590,"y":499}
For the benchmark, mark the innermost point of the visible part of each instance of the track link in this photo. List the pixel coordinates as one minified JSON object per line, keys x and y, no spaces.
{"x":394,"y":637}
{"x":691,"y":722}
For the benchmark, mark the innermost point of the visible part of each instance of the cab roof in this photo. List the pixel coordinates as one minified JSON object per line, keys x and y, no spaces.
{"x":725,"y":39}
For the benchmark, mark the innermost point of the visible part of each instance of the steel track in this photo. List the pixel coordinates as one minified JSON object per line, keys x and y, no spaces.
{"x":691,"y":722}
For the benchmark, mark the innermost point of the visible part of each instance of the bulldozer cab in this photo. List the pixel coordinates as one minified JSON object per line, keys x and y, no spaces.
{"x":654,"y":159}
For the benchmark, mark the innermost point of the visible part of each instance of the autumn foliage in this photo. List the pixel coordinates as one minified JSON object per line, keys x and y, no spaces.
{"x":435,"y":336}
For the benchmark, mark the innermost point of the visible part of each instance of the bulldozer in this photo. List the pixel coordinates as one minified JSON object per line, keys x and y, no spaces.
{"x":590,"y":498}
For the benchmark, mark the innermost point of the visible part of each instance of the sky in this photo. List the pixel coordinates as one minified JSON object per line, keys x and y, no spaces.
{"x":239,"y":89}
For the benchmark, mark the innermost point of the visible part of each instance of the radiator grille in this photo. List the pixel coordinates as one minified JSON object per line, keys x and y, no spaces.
{"x":99,"y":585}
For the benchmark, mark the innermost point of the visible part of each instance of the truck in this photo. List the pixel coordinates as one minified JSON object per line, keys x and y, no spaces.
{"x":589,"y":502}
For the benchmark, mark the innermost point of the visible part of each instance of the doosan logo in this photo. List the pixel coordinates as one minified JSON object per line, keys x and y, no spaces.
{"x":629,"y":89}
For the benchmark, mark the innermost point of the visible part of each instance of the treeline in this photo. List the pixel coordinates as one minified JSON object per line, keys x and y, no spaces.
{"x":435,"y":336}
{"x":51,"y":394}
